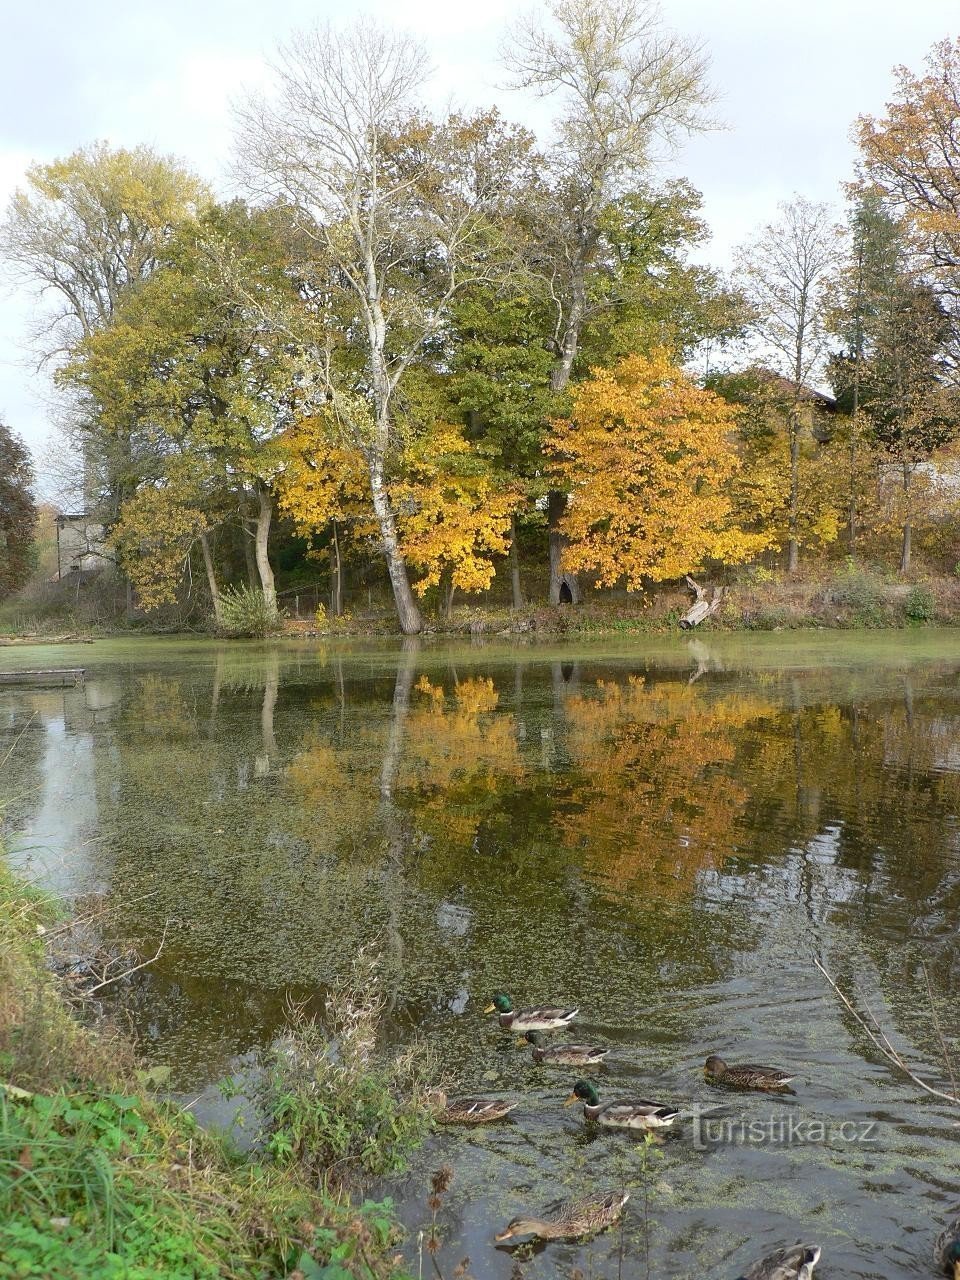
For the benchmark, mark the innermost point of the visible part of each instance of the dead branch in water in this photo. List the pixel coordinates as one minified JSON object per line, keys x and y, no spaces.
{"x":882,"y":1043}
{"x":136,"y":968}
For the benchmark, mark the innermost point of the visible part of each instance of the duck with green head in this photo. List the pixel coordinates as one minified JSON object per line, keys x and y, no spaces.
{"x":622,"y":1114}
{"x":790,"y":1262}
{"x":537,"y":1018}
{"x":946,"y":1250}
{"x":565,"y":1055}
{"x":571,"y":1219}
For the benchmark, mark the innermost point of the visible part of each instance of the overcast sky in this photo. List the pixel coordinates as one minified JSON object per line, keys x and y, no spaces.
{"x":791,"y":79}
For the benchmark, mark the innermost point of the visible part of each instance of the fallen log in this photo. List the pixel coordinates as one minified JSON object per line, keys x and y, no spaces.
{"x":701,"y":607}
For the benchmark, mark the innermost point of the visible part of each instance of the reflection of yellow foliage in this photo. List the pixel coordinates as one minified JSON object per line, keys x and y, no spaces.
{"x":654,"y":798}
{"x":458,"y":746}
{"x":334,"y":801}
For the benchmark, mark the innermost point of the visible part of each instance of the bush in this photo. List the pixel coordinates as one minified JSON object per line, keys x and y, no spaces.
{"x":857,"y":591}
{"x":332,"y":1103}
{"x":920,"y":605}
{"x":244,"y":612}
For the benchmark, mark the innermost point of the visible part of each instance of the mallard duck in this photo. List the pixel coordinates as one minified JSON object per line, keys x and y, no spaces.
{"x":565,"y":1055}
{"x":620,"y":1115}
{"x":571,"y":1218}
{"x":535,"y":1019}
{"x":470,"y":1110}
{"x":790,"y":1262}
{"x":745,"y":1075}
{"x":946,"y":1250}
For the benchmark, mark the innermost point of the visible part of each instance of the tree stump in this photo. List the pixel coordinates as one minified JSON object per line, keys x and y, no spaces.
{"x":701,"y":607}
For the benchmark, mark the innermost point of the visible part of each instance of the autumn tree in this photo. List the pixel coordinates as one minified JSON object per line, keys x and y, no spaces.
{"x":648,"y":459}
{"x":394,"y":214}
{"x":201,"y":392}
{"x":18,"y":512}
{"x":322,"y":485}
{"x":912,"y":156}
{"x":784,"y":272}
{"x":455,"y":513}
{"x":624,"y":82}
{"x":82,"y":231}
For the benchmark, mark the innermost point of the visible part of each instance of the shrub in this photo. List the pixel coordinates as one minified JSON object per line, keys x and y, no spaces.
{"x":244,"y":612}
{"x":332,"y":1102}
{"x":920,"y":605}
{"x":857,"y":591}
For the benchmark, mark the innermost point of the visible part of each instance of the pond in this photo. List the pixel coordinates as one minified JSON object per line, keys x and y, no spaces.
{"x":664,"y":833}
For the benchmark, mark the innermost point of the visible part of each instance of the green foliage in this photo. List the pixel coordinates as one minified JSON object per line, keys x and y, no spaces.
{"x":858,"y":591}
{"x":333,"y":1103}
{"x":244,"y":612}
{"x":18,"y":513}
{"x":920,"y":605}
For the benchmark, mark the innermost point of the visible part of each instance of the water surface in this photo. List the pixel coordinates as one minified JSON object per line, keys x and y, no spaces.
{"x":664,"y":833}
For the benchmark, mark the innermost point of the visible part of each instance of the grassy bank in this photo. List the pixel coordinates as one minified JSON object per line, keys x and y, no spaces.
{"x":827,"y":595}
{"x":100,"y":1178}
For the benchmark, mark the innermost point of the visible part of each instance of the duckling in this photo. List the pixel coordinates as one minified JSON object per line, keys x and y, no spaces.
{"x":570,"y":1219}
{"x":620,"y":1115}
{"x":470,"y":1110}
{"x":790,"y":1262}
{"x":946,"y":1250}
{"x":746,"y":1075}
{"x":539,"y":1018}
{"x":565,"y":1055}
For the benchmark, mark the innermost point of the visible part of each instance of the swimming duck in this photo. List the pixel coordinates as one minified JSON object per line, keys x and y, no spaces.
{"x":621,"y":1115}
{"x":745,"y":1075}
{"x":790,"y":1262}
{"x":538,"y":1018}
{"x":565,"y":1055}
{"x":470,"y":1110}
{"x":571,"y":1218}
{"x":946,"y":1250}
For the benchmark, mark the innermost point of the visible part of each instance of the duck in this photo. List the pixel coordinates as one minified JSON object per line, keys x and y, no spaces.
{"x":746,"y":1075}
{"x":570,"y":1219}
{"x":946,"y":1250}
{"x":789,"y":1262}
{"x":565,"y":1055}
{"x":538,"y":1018}
{"x":470,"y":1110}
{"x":620,"y":1115}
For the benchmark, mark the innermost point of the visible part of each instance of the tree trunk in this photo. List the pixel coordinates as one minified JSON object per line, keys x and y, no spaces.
{"x":793,"y":546}
{"x":211,"y":578}
{"x":253,"y":578}
{"x":336,"y":574}
{"x":411,"y":623}
{"x":564,"y":587}
{"x":264,"y":516}
{"x":448,"y":604}
{"x":515,"y":583}
{"x":907,"y":547}
{"x":702,"y":607}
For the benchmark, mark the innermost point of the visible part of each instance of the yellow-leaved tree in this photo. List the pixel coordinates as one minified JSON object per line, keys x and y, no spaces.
{"x":648,"y":458}
{"x":454,"y":512}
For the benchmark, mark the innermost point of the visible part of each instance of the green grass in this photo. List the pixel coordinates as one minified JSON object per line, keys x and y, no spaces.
{"x":100,"y":1180}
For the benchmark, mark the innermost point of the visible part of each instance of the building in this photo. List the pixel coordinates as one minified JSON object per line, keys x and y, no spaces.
{"x":81,"y":545}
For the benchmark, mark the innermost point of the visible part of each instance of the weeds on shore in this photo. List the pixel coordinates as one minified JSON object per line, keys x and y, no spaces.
{"x":333,"y":1103}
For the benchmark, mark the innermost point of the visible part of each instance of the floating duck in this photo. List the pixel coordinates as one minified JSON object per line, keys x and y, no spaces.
{"x":470,"y":1110}
{"x":570,"y":1219}
{"x":621,"y":1115}
{"x":565,"y":1055}
{"x":746,"y":1075}
{"x":790,"y":1262}
{"x":946,"y":1250}
{"x":538,"y":1018}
